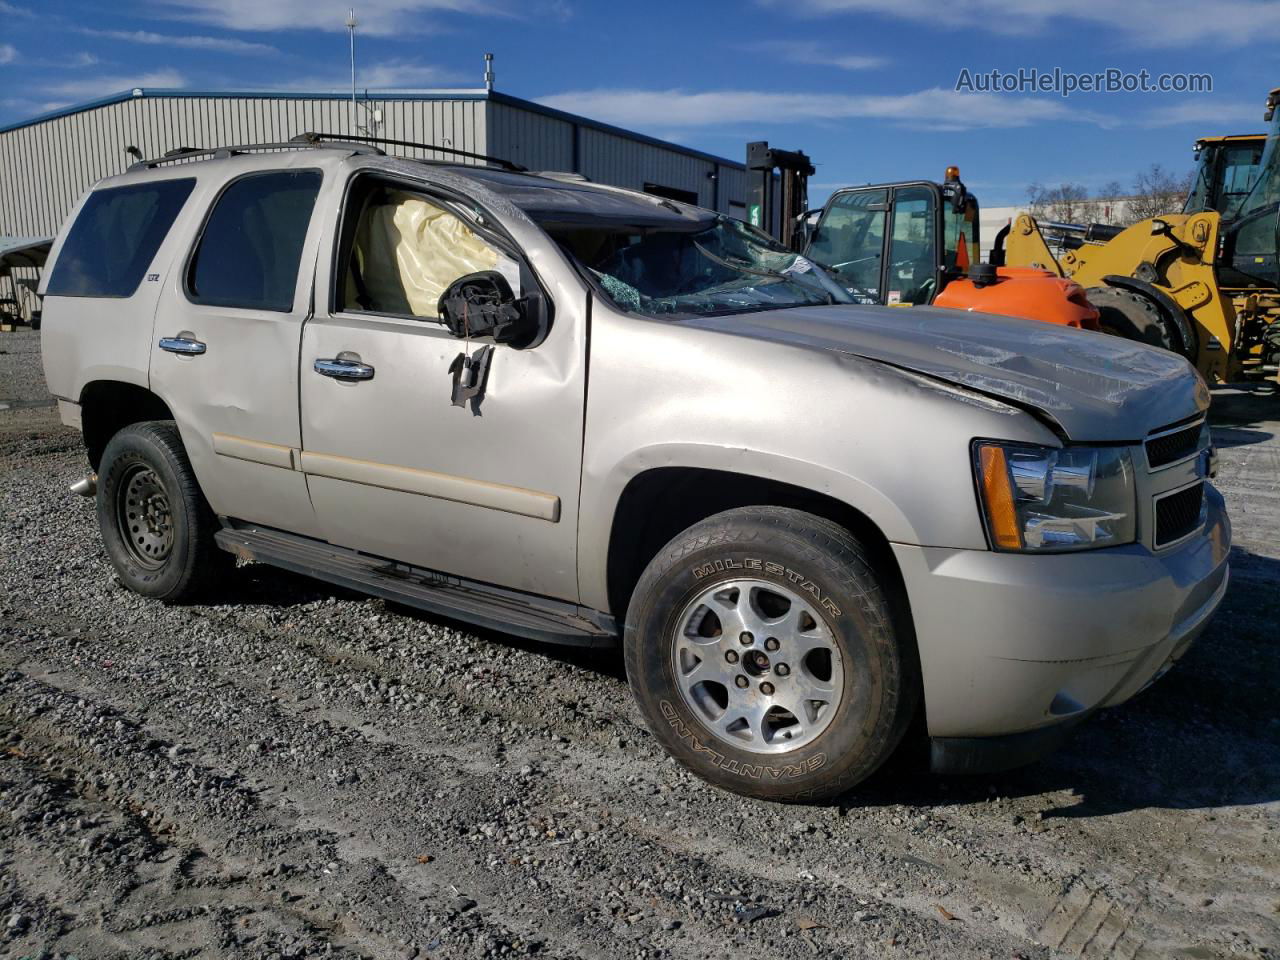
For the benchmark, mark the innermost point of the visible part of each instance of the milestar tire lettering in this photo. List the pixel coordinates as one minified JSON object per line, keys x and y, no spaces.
{"x":757,"y":771}
{"x":800,"y":580}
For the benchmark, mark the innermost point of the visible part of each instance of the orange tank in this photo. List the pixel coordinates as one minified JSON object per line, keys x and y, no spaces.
{"x":1023,"y":292}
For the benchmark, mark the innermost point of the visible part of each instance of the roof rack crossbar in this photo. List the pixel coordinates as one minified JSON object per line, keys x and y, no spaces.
{"x":316,"y":139}
{"x":221,"y":153}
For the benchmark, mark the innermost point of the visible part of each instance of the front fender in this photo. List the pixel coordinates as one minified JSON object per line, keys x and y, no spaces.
{"x":600,"y":499}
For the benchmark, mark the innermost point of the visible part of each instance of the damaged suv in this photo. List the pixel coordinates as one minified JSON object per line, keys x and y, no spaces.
{"x":581,"y":414}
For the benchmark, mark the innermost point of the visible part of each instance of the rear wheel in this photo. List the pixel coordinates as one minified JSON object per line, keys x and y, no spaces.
{"x":155,"y":523}
{"x":761,"y":649}
{"x":1123,"y":313}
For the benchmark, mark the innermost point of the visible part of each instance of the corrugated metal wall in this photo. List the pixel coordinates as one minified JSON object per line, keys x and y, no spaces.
{"x":542,"y":142}
{"x":530,"y":139}
{"x":45,"y":167}
{"x":613,"y":159}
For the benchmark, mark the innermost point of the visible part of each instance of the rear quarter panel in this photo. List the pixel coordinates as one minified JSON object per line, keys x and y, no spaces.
{"x":86,"y":339}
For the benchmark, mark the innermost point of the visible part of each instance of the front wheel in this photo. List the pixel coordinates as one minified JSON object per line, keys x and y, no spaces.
{"x":762,"y":650}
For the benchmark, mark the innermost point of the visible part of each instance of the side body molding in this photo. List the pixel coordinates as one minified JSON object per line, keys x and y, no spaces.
{"x":443,"y":486}
{"x":427,"y":483}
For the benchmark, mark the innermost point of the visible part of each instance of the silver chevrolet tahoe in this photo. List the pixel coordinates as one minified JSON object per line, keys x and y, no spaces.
{"x":581,"y":414}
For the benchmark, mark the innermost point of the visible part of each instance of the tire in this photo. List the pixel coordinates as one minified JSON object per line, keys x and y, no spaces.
{"x":752,"y":559}
{"x":156,"y":525}
{"x":1271,"y":344}
{"x":1124,"y":313}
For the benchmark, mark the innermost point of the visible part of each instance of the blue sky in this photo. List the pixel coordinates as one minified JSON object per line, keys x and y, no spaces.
{"x":866,"y":87}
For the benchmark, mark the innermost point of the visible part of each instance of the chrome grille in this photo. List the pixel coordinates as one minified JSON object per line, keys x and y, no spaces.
{"x":1171,"y":447}
{"x":1178,"y":514}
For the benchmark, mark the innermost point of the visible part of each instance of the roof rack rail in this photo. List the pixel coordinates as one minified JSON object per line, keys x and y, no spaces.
{"x":316,"y":139}
{"x":221,"y":153}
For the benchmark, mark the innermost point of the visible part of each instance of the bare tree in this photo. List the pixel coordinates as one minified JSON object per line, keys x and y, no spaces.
{"x":1065,"y":202}
{"x":1107,"y":205}
{"x":1157,"y":191}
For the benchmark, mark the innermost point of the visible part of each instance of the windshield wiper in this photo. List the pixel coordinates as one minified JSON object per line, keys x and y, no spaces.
{"x":760,"y":272}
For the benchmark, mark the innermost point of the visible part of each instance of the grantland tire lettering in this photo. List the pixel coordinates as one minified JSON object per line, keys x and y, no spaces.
{"x":768,"y":566}
{"x":757,"y":771}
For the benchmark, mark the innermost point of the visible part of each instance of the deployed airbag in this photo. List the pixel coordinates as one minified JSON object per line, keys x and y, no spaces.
{"x":407,"y":251}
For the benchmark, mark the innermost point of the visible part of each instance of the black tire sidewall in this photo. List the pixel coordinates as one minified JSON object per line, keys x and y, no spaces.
{"x":867,"y":724}
{"x":139,"y":444}
{"x":1134,"y":317}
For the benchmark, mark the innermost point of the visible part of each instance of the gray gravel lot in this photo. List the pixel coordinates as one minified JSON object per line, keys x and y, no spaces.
{"x":296,"y":771}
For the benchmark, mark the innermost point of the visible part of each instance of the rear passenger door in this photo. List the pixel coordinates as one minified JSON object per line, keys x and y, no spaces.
{"x":225,"y":356}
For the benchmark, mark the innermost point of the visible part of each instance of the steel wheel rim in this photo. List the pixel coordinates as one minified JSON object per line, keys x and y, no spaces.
{"x":757,"y":665}
{"x":143,"y":517}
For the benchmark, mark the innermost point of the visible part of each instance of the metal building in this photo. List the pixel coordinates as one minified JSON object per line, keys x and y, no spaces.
{"x":47,"y":162}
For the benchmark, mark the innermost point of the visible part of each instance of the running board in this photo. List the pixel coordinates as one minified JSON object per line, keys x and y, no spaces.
{"x":484,"y":605}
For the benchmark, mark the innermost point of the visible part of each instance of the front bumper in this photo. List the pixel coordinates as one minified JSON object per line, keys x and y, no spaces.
{"x":1015,"y":643}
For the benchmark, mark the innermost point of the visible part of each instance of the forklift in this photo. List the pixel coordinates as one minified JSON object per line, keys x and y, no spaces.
{"x":913,"y":243}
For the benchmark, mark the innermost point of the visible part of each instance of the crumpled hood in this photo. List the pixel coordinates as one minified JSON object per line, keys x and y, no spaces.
{"x":1095,"y":386}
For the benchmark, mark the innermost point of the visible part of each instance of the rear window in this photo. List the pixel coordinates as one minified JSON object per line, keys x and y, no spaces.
{"x":249,"y":252}
{"x":113,"y":241}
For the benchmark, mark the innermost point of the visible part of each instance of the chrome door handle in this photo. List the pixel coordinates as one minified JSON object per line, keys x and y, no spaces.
{"x":343,"y":369}
{"x":183,"y":345}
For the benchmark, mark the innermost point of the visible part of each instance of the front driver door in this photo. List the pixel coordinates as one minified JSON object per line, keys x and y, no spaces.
{"x":488,"y":491}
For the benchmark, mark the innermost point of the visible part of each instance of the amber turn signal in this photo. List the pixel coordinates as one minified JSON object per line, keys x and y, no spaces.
{"x":997,"y":496}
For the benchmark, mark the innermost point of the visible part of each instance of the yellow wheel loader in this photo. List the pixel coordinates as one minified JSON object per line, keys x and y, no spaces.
{"x":1204,"y":282}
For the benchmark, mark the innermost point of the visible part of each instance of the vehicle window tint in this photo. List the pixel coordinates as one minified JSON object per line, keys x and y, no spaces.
{"x":405,"y":253}
{"x":252,"y":243}
{"x":115,"y":237}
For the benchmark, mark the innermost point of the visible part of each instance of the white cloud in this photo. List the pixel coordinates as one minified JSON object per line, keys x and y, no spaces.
{"x":63,"y":92}
{"x":10,"y":10}
{"x":1207,"y":113}
{"x":1147,"y":23}
{"x":219,"y":44}
{"x":930,"y":108}
{"x":816,"y":55}
{"x":380,"y":75}
{"x":403,"y":74}
{"x":8,"y":53}
{"x":379,"y":17}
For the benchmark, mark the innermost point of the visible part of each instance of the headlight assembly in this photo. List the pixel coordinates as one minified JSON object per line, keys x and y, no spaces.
{"x":1051,"y":499}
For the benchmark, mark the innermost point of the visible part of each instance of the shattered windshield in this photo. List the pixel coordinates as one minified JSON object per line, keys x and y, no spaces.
{"x":724,"y":267}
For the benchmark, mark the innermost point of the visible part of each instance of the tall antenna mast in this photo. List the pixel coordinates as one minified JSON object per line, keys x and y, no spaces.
{"x":352,"y":23}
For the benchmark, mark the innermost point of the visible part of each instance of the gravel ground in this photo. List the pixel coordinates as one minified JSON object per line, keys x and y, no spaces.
{"x":297,"y":771}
